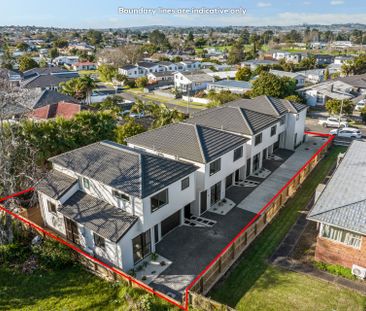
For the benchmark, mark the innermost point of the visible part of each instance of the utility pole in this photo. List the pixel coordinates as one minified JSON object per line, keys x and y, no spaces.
{"x":340,"y":116}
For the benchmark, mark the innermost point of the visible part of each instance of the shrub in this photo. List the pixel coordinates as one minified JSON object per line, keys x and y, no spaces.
{"x":14,"y":253}
{"x":335,"y":269}
{"x":53,"y":254}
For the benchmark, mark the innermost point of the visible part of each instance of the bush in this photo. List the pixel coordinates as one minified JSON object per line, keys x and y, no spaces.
{"x":335,"y":269}
{"x":53,"y":254}
{"x":14,"y":253}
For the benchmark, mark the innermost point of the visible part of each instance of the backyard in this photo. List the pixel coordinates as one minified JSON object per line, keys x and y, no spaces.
{"x":244,"y":285}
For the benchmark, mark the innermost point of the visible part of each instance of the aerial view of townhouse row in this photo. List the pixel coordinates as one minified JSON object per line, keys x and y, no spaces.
{"x":211,"y":160}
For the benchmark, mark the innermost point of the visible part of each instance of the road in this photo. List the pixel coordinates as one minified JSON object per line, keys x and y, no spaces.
{"x":129,"y":96}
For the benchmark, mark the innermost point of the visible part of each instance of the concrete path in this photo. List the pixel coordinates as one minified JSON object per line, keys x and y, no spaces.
{"x":255,"y":201}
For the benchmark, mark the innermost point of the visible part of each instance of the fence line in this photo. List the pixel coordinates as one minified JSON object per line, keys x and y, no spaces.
{"x":220,"y":264}
{"x":224,"y":260}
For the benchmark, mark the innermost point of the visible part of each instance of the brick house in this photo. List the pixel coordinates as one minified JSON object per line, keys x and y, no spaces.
{"x":340,"y":211}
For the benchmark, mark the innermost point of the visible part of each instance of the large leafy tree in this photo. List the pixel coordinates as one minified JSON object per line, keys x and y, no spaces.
{"x":26,"y":62}
{"x":271,"y":85}
{"x":130,"y":128}
{"x":243,"y":74}
{"x":107,"y":72}
{"x":80,"y":88}
{"x":335,"y":106}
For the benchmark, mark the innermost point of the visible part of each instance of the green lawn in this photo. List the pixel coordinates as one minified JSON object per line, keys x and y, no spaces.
{"x":254,"y":264}
{"x":283,"y":290}
{"x":68,"y":289}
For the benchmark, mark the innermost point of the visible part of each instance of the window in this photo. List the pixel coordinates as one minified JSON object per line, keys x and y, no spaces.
{"x":86,"y":183}
{"x":99,"y":241}
{"x":341,"y":236}
{"x":185,"y":183}
{"x":273,"y":130}
{"x":215,"y":167}
{"x":238,"y":153}
{"x":120,"y":196}
{"x":51,"y":207}
{"x":141,"y":246}
{"x":283,"y":120}
{"x":159,"y":200}
{"x":258,"y":139}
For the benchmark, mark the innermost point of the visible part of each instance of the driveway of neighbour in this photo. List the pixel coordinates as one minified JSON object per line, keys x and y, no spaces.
{"x":191,"y":249}
{"x":256,"y":200}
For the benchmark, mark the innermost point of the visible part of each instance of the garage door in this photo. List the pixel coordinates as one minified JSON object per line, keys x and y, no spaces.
{"x":170,"y":223}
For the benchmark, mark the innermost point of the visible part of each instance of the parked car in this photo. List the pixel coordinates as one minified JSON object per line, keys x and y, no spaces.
{"x":333,"y":122}
{"x":348,"y":132}
{"x":360,"y":105}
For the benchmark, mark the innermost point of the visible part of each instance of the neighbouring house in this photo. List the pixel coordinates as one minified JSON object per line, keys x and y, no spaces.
{"x":188,"y":65}
{"x":340,"y":211}
{"x":167,"y":66}
{"x":336,"y":66}
{"x":297,"y":76}
{"x":66,"y":60}
{"x":131,"y":71}
{"x":219,"y":156}
{"x":318,"y":94}
{"x":46,"y":78}
{"x":313,"y":75}
{"x":114,"y":201}
{"x":254,"y":63}
{"x":358,"y":83}
{"x":191,"y":81}
{"x":13,"y":76}
{"x":223,"y":75}
{"x":155,"y":77}
{"x":323,"y":59}
{"x":148,"y":67}
{"x":289,"y":57}
{"x":84,"y":66}
{"x":230,"y":85}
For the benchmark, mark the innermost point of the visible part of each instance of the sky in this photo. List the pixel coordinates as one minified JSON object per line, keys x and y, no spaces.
{"x":105,"y":13}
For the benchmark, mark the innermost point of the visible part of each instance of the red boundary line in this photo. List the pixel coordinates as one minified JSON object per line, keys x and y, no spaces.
{"x":141,"y":284}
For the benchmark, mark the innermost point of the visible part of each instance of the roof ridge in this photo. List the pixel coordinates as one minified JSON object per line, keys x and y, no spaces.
{"x":245,"y":118}
{"x":338,"y":207}
{"x":268,"y":98}
{"x":199,"y":137}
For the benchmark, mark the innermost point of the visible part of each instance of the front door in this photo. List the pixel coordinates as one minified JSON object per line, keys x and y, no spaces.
{"x":237,"y":175}
{"x":72,"y":232}
{"x":256,"y":162}
{"x":187,"y":211}
{"x":203,"y":201}
{"x":215,"y":193}
{"x":229,"y":181}
{"x":264,"y":154}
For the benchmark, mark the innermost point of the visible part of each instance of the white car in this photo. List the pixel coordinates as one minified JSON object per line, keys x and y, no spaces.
{"x":333,"y":122}
{"x":360,"y":105}
{"x":349,"y":132}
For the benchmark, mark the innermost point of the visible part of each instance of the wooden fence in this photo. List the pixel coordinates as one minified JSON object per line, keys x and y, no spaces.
{"x":223,"y":262}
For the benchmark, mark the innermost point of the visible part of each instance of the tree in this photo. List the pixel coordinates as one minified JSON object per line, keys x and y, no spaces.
{"x":94,"y":37}
{"x":326,"y":74}
{"x":200,"y":42}
{"x":22,"y":46}
{"x":118,"y":57}
{"x":296,"y":99}
{"x":88,"y":84}
{"x":236,"y":54}
{"x":333,"y":106}
{"x":130,"y":128}
{"x":347,"y":68}
{"x":26,"y":62}
{"x":141,"y":82}
{"x":107,"y":72}
{"x":80,"y":88}
{"x":190,"y":37}
{"x":53,"y":53}
{"x":220,"y":98}
{"x":60,"y":43}
{"x":363,"y":114}
{"x":162,"y":115}
{"x":243,"y":74}
{"x":159,"y":39}
{"x":271,"y":85}
{"x":111,"y":103}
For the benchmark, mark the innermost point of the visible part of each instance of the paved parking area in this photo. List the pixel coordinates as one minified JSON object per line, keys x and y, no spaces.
{"x":255,"y":201}
{"x":191,"y":249}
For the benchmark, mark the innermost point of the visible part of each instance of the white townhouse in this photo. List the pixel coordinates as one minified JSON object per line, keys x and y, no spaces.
{"x":269,"y":123}
{"x":188,"y":65}
{"x":131,"y":71}
{"x":148,"y":67}
{"x":219,"y":156}
{"x":167,"y":66}
{"x":115,"y":202}
{"x":192,"y":81}
{"x":297,"y":76}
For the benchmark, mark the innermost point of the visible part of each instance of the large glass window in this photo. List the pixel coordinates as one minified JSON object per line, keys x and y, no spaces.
{"x":86,"y":183}
{"x":341,"y":236}
{"x":238,"y":153}
{"x":159,"y":200}
{"x":51,"y":207}
{"x":215,"y":167}
{"x":258,"y":139}
{"x":283,"y":120}
{"x":141,"y":246}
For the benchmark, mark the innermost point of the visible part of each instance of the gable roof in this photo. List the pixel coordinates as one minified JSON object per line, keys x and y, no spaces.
{"x":197,"y":76}
{"x":291,"y":75}
{"x":343,"y":201}
{"x":232,"y":83}
{"x":132,"y":171}
{"x":50,"y":97}
{"x":51,"y":80}
{"x":147,"y":64}
{"x":189,"y":141}
{"x":100,"y":217}
{"x":55,"y":184}
{"x":358,"y":81}
{"x":233,"y":119}
{"x":268,"y":105}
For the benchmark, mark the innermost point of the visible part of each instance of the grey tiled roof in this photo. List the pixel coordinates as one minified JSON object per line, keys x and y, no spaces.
{"x":55,"y":184}
{"x":343,"y":201}
{"x":100,"y":217}
{"x":132,"y":171}
{"x":233,"y":119}
{"x":50,"y":97}
{"x":44,"y":81}
{"x":189,"y":141}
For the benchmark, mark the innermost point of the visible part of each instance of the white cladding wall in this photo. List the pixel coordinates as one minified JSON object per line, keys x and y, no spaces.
{"x":295,"y":129}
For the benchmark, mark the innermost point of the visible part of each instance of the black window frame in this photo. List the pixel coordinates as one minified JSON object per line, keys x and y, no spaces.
{"x":156,"y":197}
{"x":241,"y":153}
{"x":99,"y":241}
{"x":260,"y":138}
{"x":216,"y":163}
{"x":120,"y":196}
{"x":274,"y":127}
{"x":184,"y":184}
{"x":51,"y":207}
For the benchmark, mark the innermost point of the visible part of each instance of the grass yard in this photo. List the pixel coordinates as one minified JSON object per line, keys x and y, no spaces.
{"x":253,"y":267}
{"x":70,"y":289}
{"x":283,"y":290}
